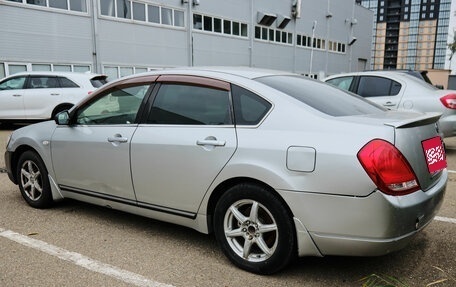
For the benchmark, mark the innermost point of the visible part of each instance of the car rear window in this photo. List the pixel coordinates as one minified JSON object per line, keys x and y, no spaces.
{"x":320,"y":96}
{"x":67,"y":83}
{"x":98,"y":81}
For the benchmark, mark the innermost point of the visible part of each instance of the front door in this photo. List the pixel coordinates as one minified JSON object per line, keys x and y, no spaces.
{"x":12,"y":92}
{"x":92,"y":155}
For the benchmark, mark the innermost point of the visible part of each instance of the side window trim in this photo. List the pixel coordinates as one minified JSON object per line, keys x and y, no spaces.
{"x":195,"y":80}
{"x":76,"y":112}
{"x":168,"y":81}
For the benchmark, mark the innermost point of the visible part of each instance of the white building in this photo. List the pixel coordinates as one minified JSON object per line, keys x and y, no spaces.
{"x":122,"y":37}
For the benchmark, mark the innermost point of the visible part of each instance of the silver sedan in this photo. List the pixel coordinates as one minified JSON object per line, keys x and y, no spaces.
{"x":401,"y":91}
{"x":274,"y":164}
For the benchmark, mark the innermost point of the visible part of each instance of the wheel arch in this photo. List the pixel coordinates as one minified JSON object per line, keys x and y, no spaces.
{"x":15,"y":158}
{"x":224,"y":186}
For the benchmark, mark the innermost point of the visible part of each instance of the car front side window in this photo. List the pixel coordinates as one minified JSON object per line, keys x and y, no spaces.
{"x":116,"y":106}
{"x":16,"y":83}
{"x":181,"y":104}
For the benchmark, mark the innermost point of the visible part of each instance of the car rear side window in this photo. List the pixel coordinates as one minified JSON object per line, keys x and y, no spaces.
{"x":43,"y":82}
{"x":370,"y":86}
{"x":67,"y":83}
{"x":180,"y":104}
{"x":249,"y":108}
{"x":320,"y":96}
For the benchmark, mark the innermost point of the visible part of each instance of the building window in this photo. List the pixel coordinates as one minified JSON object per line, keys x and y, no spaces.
{"x":58,"y":4}
{"x":226,"y":27}
{"x":139,"y":11}
{"x":221,"y":26}
{"x":123,"y":9}
{"x":70,"y":5}
{"x":126,"y":9}
{"x":37,"y":2}
{"x":166,"y":16}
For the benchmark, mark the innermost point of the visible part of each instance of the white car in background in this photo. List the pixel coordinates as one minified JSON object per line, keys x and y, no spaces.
{"x":31,"y":96}
{"x":401,"y":91}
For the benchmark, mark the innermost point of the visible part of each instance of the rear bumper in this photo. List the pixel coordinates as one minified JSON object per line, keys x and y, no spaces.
{"x":369,"y":226}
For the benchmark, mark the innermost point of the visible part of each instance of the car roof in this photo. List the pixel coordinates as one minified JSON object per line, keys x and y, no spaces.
{"x":63,"y":74}
{"x":216,"y":71}
{"x":387,"y":74}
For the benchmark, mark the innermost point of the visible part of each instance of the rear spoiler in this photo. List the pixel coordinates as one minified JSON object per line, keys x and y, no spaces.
{"x":420,"y":120}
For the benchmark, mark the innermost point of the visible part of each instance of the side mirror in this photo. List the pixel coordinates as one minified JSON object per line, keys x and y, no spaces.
{"x":62,"y":118}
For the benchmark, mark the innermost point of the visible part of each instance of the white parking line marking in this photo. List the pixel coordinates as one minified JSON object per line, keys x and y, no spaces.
{"x":81,"y":260}
{"x":452,"y":171}
{"x":445,"y":219}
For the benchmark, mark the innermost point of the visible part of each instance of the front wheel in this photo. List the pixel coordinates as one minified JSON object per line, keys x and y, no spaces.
{"x":33,"y":180}
{"x":254,"y":229}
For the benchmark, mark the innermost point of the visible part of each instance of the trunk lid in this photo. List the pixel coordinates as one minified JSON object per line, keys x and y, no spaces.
{"x":418,"y":139}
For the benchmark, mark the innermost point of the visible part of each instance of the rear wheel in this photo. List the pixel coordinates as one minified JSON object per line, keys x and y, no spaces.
{"x":254,"y":229}
{"x":33,"y":180}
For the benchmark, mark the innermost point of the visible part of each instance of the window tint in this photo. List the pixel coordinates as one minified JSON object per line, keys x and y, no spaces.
{"x":320,"y":96}
{"x":13,"y":84}
{"x":67,"y":83}
{"x":370,"y":86}
{"x":342,"y":82}
{"x":98,"y":81}
{"x":117,"y":106}
{"x":43,"y":82}
{"x":249,"y":108}
{"x":190,"y":105}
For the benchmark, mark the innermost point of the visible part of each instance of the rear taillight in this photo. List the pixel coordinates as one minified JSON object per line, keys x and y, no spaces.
{"x":449,"y":101}
{"x":388,"y":168}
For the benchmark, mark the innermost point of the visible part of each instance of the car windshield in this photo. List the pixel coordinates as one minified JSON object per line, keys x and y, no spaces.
{"x":320,"y":96}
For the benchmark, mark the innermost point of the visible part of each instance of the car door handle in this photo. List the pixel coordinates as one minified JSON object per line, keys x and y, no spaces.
{"x":211,"y":142}
{"x":389,"y":104}
{"x":17,"y":95}
{"x":117,"y":139}
{"x":55,"y":94}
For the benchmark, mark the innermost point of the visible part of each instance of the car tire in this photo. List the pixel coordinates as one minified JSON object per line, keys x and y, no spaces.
{"x":254,"y":229}
{"x":33,"y":180}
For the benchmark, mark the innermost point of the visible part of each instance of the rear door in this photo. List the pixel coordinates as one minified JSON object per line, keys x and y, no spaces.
{"x":43,"y":94}
{"x":185,"y":141}
{"x":380,"y":90}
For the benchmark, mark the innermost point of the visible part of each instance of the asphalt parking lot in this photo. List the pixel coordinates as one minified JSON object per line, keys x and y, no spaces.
{"x":76,"y":244}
